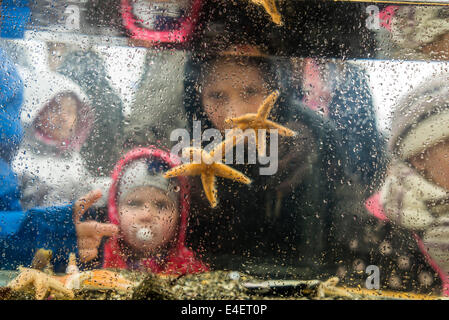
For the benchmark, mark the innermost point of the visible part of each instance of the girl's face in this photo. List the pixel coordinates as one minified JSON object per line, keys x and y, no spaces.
{"x":59,"y":122}
{"x":434,"y":164}
{"x":148,"y":219}
{"x":231,"y":90}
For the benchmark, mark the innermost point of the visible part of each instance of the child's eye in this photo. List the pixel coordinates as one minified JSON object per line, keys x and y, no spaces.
{"x":161,"y":205}
{"x":135,"y":203}
{"x":217,"y":95}
{"x":250,"y":92}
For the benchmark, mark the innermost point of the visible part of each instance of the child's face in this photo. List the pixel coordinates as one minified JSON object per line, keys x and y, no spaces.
{"x":231,"y":90}
{"x":148,"y":219}
{"x":434,"y":164}
{"x":59,"y":122}
{"x":438,"y":49}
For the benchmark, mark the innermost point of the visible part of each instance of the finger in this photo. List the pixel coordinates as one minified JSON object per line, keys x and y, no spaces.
{"x":88,"y":242}
{"x":106,"y":229}
{"x":84,"y":203}
{"x":96,"y":229}
{"x":87,"y":255}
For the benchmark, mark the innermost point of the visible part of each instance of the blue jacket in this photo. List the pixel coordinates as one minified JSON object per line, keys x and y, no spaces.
{"x":22,"y":232}
{"x":13,"y":18}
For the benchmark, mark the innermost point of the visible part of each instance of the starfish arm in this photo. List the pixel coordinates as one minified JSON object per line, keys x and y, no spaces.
{"x":227,"y":172}
{"x":58,"y":287}
{"x":105,"y":279}
{"x":208,"y":181}
{"x":283,"y":131}
{"x":43,"y":283}
{"x":267,"y":105}
{"x":24,"y":278}
{"x":244,"y":119}
{"x":270,"y":8}
{"x":188,"y":169}
{"x":41,"y":287}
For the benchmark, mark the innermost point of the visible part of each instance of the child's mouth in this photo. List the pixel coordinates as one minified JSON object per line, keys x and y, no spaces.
{"x":144,"y":234}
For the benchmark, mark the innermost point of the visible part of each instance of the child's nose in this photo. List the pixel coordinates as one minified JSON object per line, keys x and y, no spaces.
{"x":145,"y":219}
{"x":235,"y":108}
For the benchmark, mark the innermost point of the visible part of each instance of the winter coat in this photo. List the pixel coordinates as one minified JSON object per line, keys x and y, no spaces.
{"x":15,"y":16}
{"x":407,"y":264}
{"x":180,"y":259}
{"x":352,"y":111}
{"x":23,"y":232}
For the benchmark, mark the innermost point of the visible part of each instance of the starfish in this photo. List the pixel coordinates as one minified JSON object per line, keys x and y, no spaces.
{"x":259,"y":121}
{"x":208,"y":168}
{"x":43,"y":284}
{"x":271,"y":9}
{"x":62,"y":286}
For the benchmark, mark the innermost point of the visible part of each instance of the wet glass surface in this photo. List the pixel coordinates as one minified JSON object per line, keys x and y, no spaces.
{"x":352,"y":178}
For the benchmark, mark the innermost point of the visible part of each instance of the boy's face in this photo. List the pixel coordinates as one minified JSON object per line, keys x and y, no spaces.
{"x":148,"y":219}
{"x":434,"y":163}
{"x":59,"y":122}
{"x":231,"y":90}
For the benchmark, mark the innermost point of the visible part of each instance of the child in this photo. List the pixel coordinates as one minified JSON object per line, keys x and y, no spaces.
{"x":58,"y":119}
{"x":152,"y":214}
{"x":304,"y":220}
{"x":416,"y":192}
{"x":415,"y":195}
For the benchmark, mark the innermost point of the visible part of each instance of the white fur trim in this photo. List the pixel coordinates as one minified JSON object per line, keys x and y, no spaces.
{"x":40,"y":87}
{"x":429,"y":132}
{"x":404,"y":197}
{"x":138,"y":175}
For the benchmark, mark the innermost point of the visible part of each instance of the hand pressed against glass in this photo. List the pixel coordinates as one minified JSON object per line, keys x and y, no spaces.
{"x":148,"y":219}
{"x":90,"y":233}
{"x":231,"y":90}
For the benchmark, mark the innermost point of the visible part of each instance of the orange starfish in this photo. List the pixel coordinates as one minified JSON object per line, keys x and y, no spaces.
{"x":208,"y":167}
{"x":259,"y":121}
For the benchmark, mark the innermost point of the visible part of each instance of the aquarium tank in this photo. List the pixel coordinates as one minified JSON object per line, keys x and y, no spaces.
{"x":217,"y":149}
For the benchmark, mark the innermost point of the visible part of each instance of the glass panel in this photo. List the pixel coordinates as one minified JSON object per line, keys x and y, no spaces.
{"x":247,"y":140}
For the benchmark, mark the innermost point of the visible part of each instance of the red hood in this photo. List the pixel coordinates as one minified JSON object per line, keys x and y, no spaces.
{"x":180,"y":259}
{"x":180,"y":35}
